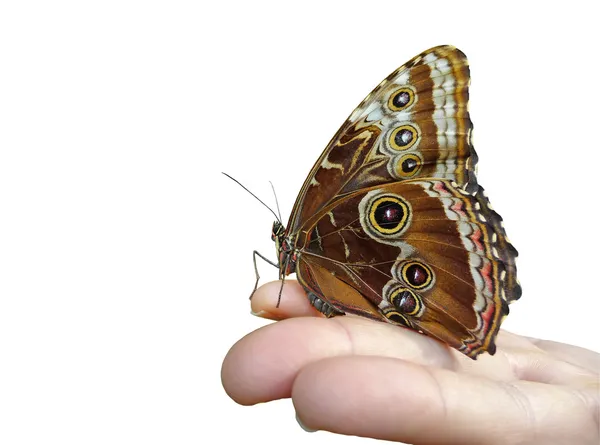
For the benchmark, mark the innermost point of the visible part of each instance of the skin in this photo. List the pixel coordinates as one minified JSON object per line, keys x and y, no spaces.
{"x":359,"y":377}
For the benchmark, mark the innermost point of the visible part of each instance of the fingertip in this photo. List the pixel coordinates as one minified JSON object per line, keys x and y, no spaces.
{"x":267,"y":303}
{"x":328,"y":397}
{"x":263,"y":365}
{"x":249,"y":374}
{"x":303,"y":425}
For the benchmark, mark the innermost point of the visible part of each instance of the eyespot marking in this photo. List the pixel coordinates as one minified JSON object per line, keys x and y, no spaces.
{"x":403,"y":137}
{"x":398,"y":318}
{"x":385,"y":216}
{"x":389,"y":214}
{"x":416,"y":274}
{"x":401,"y":99}
{"x":409,"y":165}
{"x":406,"y":301}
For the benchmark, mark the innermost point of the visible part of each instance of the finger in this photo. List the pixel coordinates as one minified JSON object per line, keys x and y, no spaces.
{"x":575,"y":355}
{"x":396,"y":400}
{"x":293,"y":301}
{"x":263,"y":365}
{"x":518,"y":358}
{"x":546,"y":362}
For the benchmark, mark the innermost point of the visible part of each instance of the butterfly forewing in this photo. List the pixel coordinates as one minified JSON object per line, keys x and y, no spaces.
{"x":414,"y":124}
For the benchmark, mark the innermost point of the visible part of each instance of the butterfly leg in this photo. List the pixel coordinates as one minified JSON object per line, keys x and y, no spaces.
{"x":322,"y":306}
{"x":254,"y":254}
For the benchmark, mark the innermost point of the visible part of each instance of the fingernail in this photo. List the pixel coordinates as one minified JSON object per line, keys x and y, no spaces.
{"x":304,"y":427}
{"x":261,"y":314}
{"x":265,"y":314}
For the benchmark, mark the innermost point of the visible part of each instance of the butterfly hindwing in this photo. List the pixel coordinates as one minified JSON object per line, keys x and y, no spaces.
{"x":423,"y":253}
{"x":414,"y":124}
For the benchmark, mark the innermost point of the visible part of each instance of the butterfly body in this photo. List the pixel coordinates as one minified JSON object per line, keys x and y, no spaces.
{"x":391,"y":223}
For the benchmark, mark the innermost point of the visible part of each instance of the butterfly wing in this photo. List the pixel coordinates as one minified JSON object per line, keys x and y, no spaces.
{"x":422,"y":253}
{"x":414,"y":124}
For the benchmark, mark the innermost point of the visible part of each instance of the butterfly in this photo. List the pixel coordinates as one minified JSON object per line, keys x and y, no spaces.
{"x":391,"y":223}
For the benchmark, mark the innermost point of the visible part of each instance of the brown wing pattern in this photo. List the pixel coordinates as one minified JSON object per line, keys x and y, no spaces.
{"x":317,"y":279}
{"x":414,"y":124}
{"x":423,"y":253}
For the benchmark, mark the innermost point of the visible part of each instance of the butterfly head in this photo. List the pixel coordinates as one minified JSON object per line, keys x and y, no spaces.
{"x":278,"y":235}
{"x":285,"y":250}
{"x":277,"y":232}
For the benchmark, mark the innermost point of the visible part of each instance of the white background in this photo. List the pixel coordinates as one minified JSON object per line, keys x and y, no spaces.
{"x":126,"y":255}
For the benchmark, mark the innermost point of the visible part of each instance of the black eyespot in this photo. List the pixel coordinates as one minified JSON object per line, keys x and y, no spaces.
{"x":403,"y":137}
{"x":417,"y":274}
{"x":406,"y":302}
{"x":389,"y":214}
{"x":409,"y":165}
{"x":398,"y":318}
{"x":401,"y":99}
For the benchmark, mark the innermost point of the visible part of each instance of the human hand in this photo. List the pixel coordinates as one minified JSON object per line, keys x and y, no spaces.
{"x":355,"y":376}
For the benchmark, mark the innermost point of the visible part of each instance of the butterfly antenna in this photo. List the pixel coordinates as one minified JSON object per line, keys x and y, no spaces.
{"x":257,"y":198}
{"x":276,"y":201}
